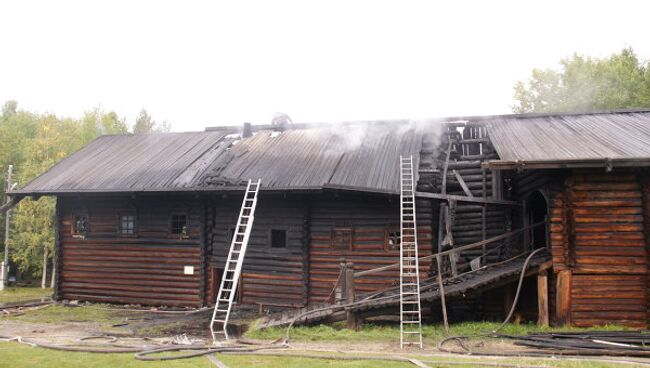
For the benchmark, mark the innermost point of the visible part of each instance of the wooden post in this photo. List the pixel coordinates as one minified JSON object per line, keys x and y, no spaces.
{"x":5,"y":268}
{"x":352,"y":321}
{"x":484,"y":216}
{"x":339,"y":294}
{"x":542,"y":299}
{"x":441,"y":290}
{"x":563,"y":298}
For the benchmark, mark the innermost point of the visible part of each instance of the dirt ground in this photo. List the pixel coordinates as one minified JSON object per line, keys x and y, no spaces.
{"x":146,"y":328}
{"x":161,"y":328}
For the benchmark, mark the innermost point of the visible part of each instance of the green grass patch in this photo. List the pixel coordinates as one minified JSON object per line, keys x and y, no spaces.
{"x":390,"y":332}
{"x":20,"y":294}
{"x":16,"y":355}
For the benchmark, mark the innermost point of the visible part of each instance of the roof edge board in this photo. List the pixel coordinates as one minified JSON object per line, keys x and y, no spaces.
{"x":607,"y":163}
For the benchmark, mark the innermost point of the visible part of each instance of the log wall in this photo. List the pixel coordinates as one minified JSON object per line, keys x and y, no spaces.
{"x":369,"y":217}
{"x":645,"y":182}
{"x":599,"y":250}
{"x":146,"y":268}
{"x":272,"y":276}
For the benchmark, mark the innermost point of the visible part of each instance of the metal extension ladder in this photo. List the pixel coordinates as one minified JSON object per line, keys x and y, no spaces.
{"x":409,"y":272}
{"x":234,"y":262}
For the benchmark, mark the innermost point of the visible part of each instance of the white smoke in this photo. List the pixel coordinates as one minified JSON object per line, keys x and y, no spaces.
{"x":349,"y":137}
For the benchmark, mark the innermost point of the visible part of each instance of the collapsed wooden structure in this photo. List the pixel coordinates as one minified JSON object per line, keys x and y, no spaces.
{"x":148,"y":218}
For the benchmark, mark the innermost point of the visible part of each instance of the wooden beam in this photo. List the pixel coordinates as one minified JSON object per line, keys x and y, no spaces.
{"x":444,"y":172}
{"x":463,"y":184}
{"x":563,"y":298}
{"x":605,"y":163}
{"x":447,"y":197}
{"x":542,"y":299}
{"x":352,"y":320}
{"x":448,"y":252}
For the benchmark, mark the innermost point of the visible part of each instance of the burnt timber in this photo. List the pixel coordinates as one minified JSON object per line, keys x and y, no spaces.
{"x":147,"y":218}
{"x":368,"y":305}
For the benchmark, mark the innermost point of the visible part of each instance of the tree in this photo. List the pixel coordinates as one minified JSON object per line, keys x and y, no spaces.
{"x":33,"y":143}
{"x":620,"y":81}
{"x":144,"y":123}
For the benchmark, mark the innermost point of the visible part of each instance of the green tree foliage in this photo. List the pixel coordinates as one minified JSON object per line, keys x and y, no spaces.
{"x":33,"y":143}
{"x":620,"y":81}
{"x":145,"y":124}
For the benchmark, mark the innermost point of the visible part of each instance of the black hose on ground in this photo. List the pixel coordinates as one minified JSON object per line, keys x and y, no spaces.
{"x":459,"y":339}
{"x":199,"y":350}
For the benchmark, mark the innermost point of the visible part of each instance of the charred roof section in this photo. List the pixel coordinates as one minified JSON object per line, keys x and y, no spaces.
{"x":362,"y":156}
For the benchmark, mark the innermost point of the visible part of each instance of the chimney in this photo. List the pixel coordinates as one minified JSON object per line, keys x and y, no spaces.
{"x":247,"y":131}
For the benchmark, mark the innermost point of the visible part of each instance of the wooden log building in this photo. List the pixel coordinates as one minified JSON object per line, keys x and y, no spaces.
{"x":148,"y":218}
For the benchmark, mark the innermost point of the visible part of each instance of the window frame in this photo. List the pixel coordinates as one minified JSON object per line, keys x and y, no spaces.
{"x":286,"y":239}
{"x":134,"y":230}
{"x":170,"y":229}
{"x":333,"y":238}
{"x":387,"y":236}
{"x":73,"y":225}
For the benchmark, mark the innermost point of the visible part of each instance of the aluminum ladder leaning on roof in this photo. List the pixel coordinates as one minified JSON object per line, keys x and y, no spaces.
{"x":234,"y":263}
{"x":409,"y":272}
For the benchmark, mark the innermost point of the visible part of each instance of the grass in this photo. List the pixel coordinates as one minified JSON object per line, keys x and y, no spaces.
{"x":19,"y":294}
{"x":386,"y":333}
{"x":16,"y":355}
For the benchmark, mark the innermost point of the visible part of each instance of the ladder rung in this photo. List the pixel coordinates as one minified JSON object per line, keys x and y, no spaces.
{"x":411,"y":332}
{"x":219,"y":320}
{"x":222,"y":310}
{"x":410,"y":322}
{"x":410,"y":312}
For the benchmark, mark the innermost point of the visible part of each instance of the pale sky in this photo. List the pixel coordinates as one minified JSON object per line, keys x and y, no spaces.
{"x":207,"y":63}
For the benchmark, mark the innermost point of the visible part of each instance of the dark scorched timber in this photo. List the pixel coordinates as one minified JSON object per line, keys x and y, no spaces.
{"x":386,"y":301}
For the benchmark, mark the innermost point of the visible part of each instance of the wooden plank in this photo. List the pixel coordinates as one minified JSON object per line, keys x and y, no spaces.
{"x":563,"y":298}
{"x":463,"y":184}
{"x":542,"y":299}
{"x":458,"y":198}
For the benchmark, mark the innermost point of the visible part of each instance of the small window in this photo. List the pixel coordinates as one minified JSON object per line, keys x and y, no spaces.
{"x":179,"y":224}
{"x":127,"y":224}
{"x":393,"y":238}
{"x":80,"y":225}
{"x":342,"y":238}
{"x":278,"y":238}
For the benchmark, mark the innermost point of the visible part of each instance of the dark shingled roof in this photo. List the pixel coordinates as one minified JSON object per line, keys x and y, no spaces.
{"x":133,"y":162}
{"x":362,"y":156}
{"x":570,"y":137}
